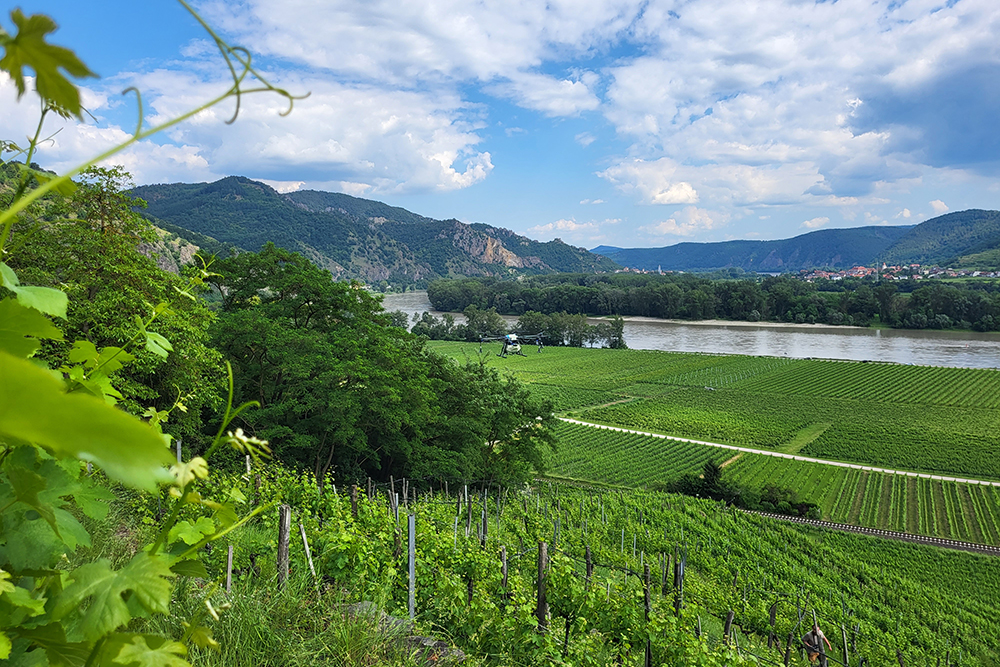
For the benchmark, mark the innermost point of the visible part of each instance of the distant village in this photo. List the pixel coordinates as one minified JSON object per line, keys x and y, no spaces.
{"x":903,"y":272}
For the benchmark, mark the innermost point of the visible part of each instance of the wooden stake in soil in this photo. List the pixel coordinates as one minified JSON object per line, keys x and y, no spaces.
{"x":503,"y":566}
{"x":590,"y":567}
{"x":284,"y":535}
{"x":354,"y":501}
{"x":542,"y":606}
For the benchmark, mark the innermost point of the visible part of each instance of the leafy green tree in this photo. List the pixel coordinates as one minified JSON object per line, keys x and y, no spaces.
{"x":341,"y":389}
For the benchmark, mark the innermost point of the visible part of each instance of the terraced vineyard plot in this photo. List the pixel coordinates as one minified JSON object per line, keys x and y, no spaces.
{"x":957,"y":511}
{"x":885,"y":383}
{"x":925,"y":438}
{"x":624,"y":458}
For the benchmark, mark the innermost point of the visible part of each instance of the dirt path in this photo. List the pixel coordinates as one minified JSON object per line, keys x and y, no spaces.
{"x":730,"y":461}
{"x":781,"y":455}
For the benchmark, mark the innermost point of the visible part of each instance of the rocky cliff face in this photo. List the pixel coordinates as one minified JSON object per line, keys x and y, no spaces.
{"x":487,"y":249}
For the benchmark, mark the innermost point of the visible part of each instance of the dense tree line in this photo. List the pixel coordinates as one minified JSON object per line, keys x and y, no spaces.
{"x":559,"y":329}
{"x":909,"y":304}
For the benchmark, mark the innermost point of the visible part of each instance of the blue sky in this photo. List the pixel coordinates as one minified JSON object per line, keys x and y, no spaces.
{"x":611,"y":122}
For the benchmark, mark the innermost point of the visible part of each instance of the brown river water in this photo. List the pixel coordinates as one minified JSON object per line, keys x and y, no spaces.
{"x":904,"y":346}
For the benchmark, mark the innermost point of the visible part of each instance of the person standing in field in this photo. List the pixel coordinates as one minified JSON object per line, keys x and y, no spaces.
{"x":813,"y":641}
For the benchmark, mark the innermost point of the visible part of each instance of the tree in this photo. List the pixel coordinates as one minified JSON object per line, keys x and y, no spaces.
{"x":341,"y":389}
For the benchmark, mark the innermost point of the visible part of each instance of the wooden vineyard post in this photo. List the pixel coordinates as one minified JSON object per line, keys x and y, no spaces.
{"x":899,"y":657}
{"x":542,"y":607}
{"x":648,"y":606}
{"x":411,"y":526}
{"x":354,"y":501}
{"x":229,"y":570}
{"x":178,"y":450}
{"x":590,"y":567}
{"x":503,"y":566}
{"x":284,"y":535}
{"x":773,"y":617}
{"x":248,"y":464}
{"x":729,"y":626}
{"x":788,"y":649}
{"x":305,"y":545}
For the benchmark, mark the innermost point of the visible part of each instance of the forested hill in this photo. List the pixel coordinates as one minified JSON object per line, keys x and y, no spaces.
{"x":835,"y":248}
{"x":357,"y":238}
{"x":961,"y":239}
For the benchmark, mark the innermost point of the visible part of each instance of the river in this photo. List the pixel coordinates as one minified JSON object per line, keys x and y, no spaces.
{"x":904,"y":346}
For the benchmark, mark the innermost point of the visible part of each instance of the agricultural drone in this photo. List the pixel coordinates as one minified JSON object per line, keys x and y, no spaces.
{"x":512,"y":343}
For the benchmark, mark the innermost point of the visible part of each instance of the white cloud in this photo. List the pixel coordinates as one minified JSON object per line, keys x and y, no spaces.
{"x":591,"y":201}
{"x":585,"y":139}
{"x":378,"y":140}
{"x":654,"y":181}
{"x":691,"y":220}
{"x":815,"y":223}
{"x":551,"y":96}
{"x":905,"y":213}
{"x":939,"y":207}
{"x":284,"y":186}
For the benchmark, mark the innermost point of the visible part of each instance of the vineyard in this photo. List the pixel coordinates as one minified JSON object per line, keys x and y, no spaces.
{"x":936,"y":508}
{"x":884,"y":383}
{"x":880,"y":597}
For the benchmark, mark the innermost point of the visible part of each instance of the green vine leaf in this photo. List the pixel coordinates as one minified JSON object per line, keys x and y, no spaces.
{"x":51,"y":639}
{"x":28,"y":48}
{"x":158,"y":344}
{"x":192,"y":533}
{"x":27,"y":484}
{"x":147,"y":576}
{"x":45,"y":299}
{"x":78,"y":425}
{"x":152,"y":651}
{"x":21,"y":328}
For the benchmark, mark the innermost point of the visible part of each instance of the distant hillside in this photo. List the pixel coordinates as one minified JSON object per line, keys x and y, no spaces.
{"x":964,"y":238}
{"x":835,"y":248}
{"x":357,"y":238}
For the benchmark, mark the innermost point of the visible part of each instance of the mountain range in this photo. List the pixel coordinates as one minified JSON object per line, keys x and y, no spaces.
{"x":353,"y":237}
{"x":391,"y":246}
{"x":961,"y":239}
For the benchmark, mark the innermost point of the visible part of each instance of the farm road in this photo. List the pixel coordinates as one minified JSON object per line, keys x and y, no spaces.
{"x":793,"y":457}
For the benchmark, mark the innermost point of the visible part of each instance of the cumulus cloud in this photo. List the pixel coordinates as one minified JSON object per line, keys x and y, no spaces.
{"x":568,"y":229}
{"x":687,"y":222}
{"x":551,"y":96}
{"x":815,"y":223}
{"x":655,"y":181}
{"x":591,"y":201}
{"x":939,"y":207}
